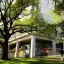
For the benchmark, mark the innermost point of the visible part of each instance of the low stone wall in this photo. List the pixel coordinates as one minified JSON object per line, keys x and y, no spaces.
{"x":21,"y":53}
{"x":11,"y":54}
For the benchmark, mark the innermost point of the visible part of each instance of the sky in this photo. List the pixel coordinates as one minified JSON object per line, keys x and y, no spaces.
{"x":45,"y":6}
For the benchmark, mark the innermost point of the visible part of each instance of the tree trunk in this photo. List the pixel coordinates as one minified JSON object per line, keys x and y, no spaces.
{"x":5,"y":50}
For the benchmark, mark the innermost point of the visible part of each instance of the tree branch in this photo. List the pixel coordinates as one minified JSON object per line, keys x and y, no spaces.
{"x":11,"y":23}
{"x":9,"y":4}
{"x":23,"y":6}
{"x":1,"y":31}
{"x":5,"y":23}
{"x":24,"y":28}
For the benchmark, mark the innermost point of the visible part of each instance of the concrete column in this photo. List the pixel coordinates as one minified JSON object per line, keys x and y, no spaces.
{"x":53,"y":47}
{"x":32,"y":50}
{"x":17,"y":50}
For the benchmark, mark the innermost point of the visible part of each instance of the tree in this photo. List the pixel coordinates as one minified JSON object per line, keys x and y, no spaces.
{"x":10,"y":10}
{"x":59,"y":6}
{"x":57,"y":18}
{"x":59,"y":9}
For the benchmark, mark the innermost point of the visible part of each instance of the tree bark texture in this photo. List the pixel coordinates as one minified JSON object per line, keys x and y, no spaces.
{"x":5,"y":50}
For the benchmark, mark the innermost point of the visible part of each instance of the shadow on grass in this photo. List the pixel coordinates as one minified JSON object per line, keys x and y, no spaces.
{"x":29,"y":61}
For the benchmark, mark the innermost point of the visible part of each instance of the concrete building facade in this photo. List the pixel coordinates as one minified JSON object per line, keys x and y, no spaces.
{"x":25,"y":45}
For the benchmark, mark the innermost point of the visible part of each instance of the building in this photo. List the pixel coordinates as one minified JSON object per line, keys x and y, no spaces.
{"x":25,"y":45}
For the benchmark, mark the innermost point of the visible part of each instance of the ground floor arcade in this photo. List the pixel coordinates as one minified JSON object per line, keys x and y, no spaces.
{"x":31,"y":46}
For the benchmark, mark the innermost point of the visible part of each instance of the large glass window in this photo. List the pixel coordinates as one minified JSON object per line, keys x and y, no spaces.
{"x":42,"y":46}
{"x":59,"y":45}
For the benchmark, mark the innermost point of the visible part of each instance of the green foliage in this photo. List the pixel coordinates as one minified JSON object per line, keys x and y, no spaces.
{"x":10,"y":10}
{"x":61,"y":25}
{"x":38,"y":60}
{"x":59,"y":6}
{"x":1,"y":40}
{"x":26,"y":22}
{"x":49,"y":31}
{"x":55,"y":17}
{"x":16,"y":7}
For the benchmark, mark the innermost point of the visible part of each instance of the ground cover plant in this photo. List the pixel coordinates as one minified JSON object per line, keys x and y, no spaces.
{"x":30,"y":61}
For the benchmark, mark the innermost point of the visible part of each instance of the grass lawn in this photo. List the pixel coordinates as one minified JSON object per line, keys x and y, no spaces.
{"x":30,"y":61}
